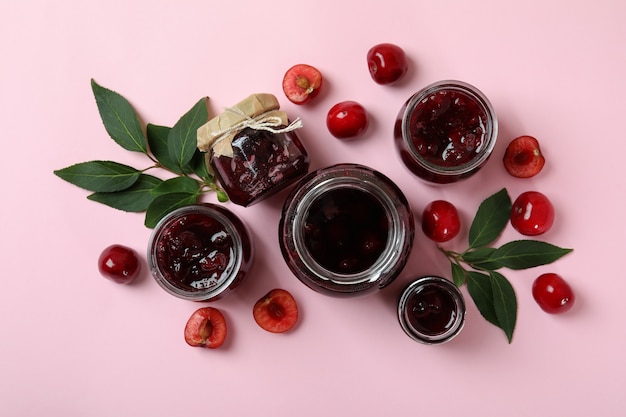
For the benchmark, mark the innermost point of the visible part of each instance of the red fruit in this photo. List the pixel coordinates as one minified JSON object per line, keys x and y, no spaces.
{"x":276,"y":311}
{"x":206,"y":328}
{"x":347,"y":120}
{"x":440,"y":221}
{"x":523,"y":157}
{"x":387,"y":63}
{"x":532,"y":213}
{"x":553,"y":293}
{"x":119,"y":264}
{"x":302,"y":83}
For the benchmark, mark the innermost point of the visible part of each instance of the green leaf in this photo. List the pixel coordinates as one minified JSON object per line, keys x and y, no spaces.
{"x":164,"y":204}
{"x":134,"y":199}
{"x":100,"y":176}
{"x":177,"y":185}
{"x":458,"y":274}
{"x":491,"y":218}
{"x":197,"y":166}
{"x":481,"y":258}
{"x":481,"y":254}
{"x":120,"y":119}
{"x":504,"y":303}
{"x":523,"y":254}
{"x":480,"y":289}
{"x":183,"y":138}
{"x":157,"y":140}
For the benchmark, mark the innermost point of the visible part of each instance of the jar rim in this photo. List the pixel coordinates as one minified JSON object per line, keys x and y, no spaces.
{"x":418,"y":285}
{"x":491,"y":132}
{"x":362,"y":178}
{"x":216,"y":213}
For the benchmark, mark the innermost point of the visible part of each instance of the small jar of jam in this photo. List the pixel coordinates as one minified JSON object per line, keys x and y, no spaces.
{"x":253,"y":149}
{"x":431,"y":310}
{"x":200,"y":252}
{"x":446,"y":131}
{"x":346,"y":230}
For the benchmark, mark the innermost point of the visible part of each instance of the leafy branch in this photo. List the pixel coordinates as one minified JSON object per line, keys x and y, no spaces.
{"x":171,"y":149}
{"x":478,"y":265}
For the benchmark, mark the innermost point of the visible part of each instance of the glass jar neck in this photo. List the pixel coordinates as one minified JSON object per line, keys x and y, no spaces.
{"x":396,"y":235}
{"x":490,"y":128}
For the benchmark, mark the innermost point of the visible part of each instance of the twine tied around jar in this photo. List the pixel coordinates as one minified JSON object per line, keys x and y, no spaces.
{"x":258,"y":111}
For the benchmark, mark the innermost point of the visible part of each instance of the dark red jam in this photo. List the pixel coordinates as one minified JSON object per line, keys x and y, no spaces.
{"x":446,"y":132}
{"x":200,"y":252}
{"x":431,"y":310}
{"x":262,"y":164}
{"x":448,"y":128}
{"x":346,"y":230}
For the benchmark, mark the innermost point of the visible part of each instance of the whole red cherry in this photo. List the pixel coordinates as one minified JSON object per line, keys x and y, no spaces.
{"x":532,"y":213}
{"x":119,"y":264}
{"x":347,"y":120}
{"x":440,"y":221}
{"x":387,"y":63}
{"x":553,"y":293}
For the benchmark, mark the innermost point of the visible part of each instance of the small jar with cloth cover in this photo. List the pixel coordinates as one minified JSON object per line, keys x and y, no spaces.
{"x":252,"y":149}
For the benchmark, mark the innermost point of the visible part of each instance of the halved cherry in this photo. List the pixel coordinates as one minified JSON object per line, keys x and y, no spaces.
{"x":276,"y":311}
{"x":523,"y":157}
{"x":206,"y":328}
{"x":301,"y":83}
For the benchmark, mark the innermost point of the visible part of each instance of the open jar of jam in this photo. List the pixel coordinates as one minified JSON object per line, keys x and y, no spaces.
{"x":446,"y":131}
{"x":346,"y":230}
{"x":431,"y":310}
{"x":253,"y":149}
{"x":200,"y":252}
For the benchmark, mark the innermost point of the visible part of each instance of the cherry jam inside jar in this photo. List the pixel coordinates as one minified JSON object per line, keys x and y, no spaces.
{"x":262,"y":164}
{"x":446,"y":132}
{"x":431,"y":310}
{"x":346,"y":230}
{"x":200,"y":252}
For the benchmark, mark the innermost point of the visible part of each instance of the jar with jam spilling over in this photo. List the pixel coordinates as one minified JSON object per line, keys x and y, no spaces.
{"x":446,"y":132}
{"x":346,"y":230}
{"x":253,"y":149}
{"x":431,"y":310}
{"x":200,"y":252}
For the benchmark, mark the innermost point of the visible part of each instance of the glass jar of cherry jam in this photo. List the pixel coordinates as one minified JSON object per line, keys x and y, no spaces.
{"x":446,"y":131}
{"x":253,"y":149}
{"x":346,"y":230}
{"x":200,"y":252}
{"x":431,"y":310}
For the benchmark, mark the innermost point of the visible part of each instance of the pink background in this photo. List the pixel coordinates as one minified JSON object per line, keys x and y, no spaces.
{"x":75,"y":344}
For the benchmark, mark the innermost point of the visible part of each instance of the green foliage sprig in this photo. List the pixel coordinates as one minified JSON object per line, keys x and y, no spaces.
{"x":172,"y":149}
{"x":478,"y":265}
